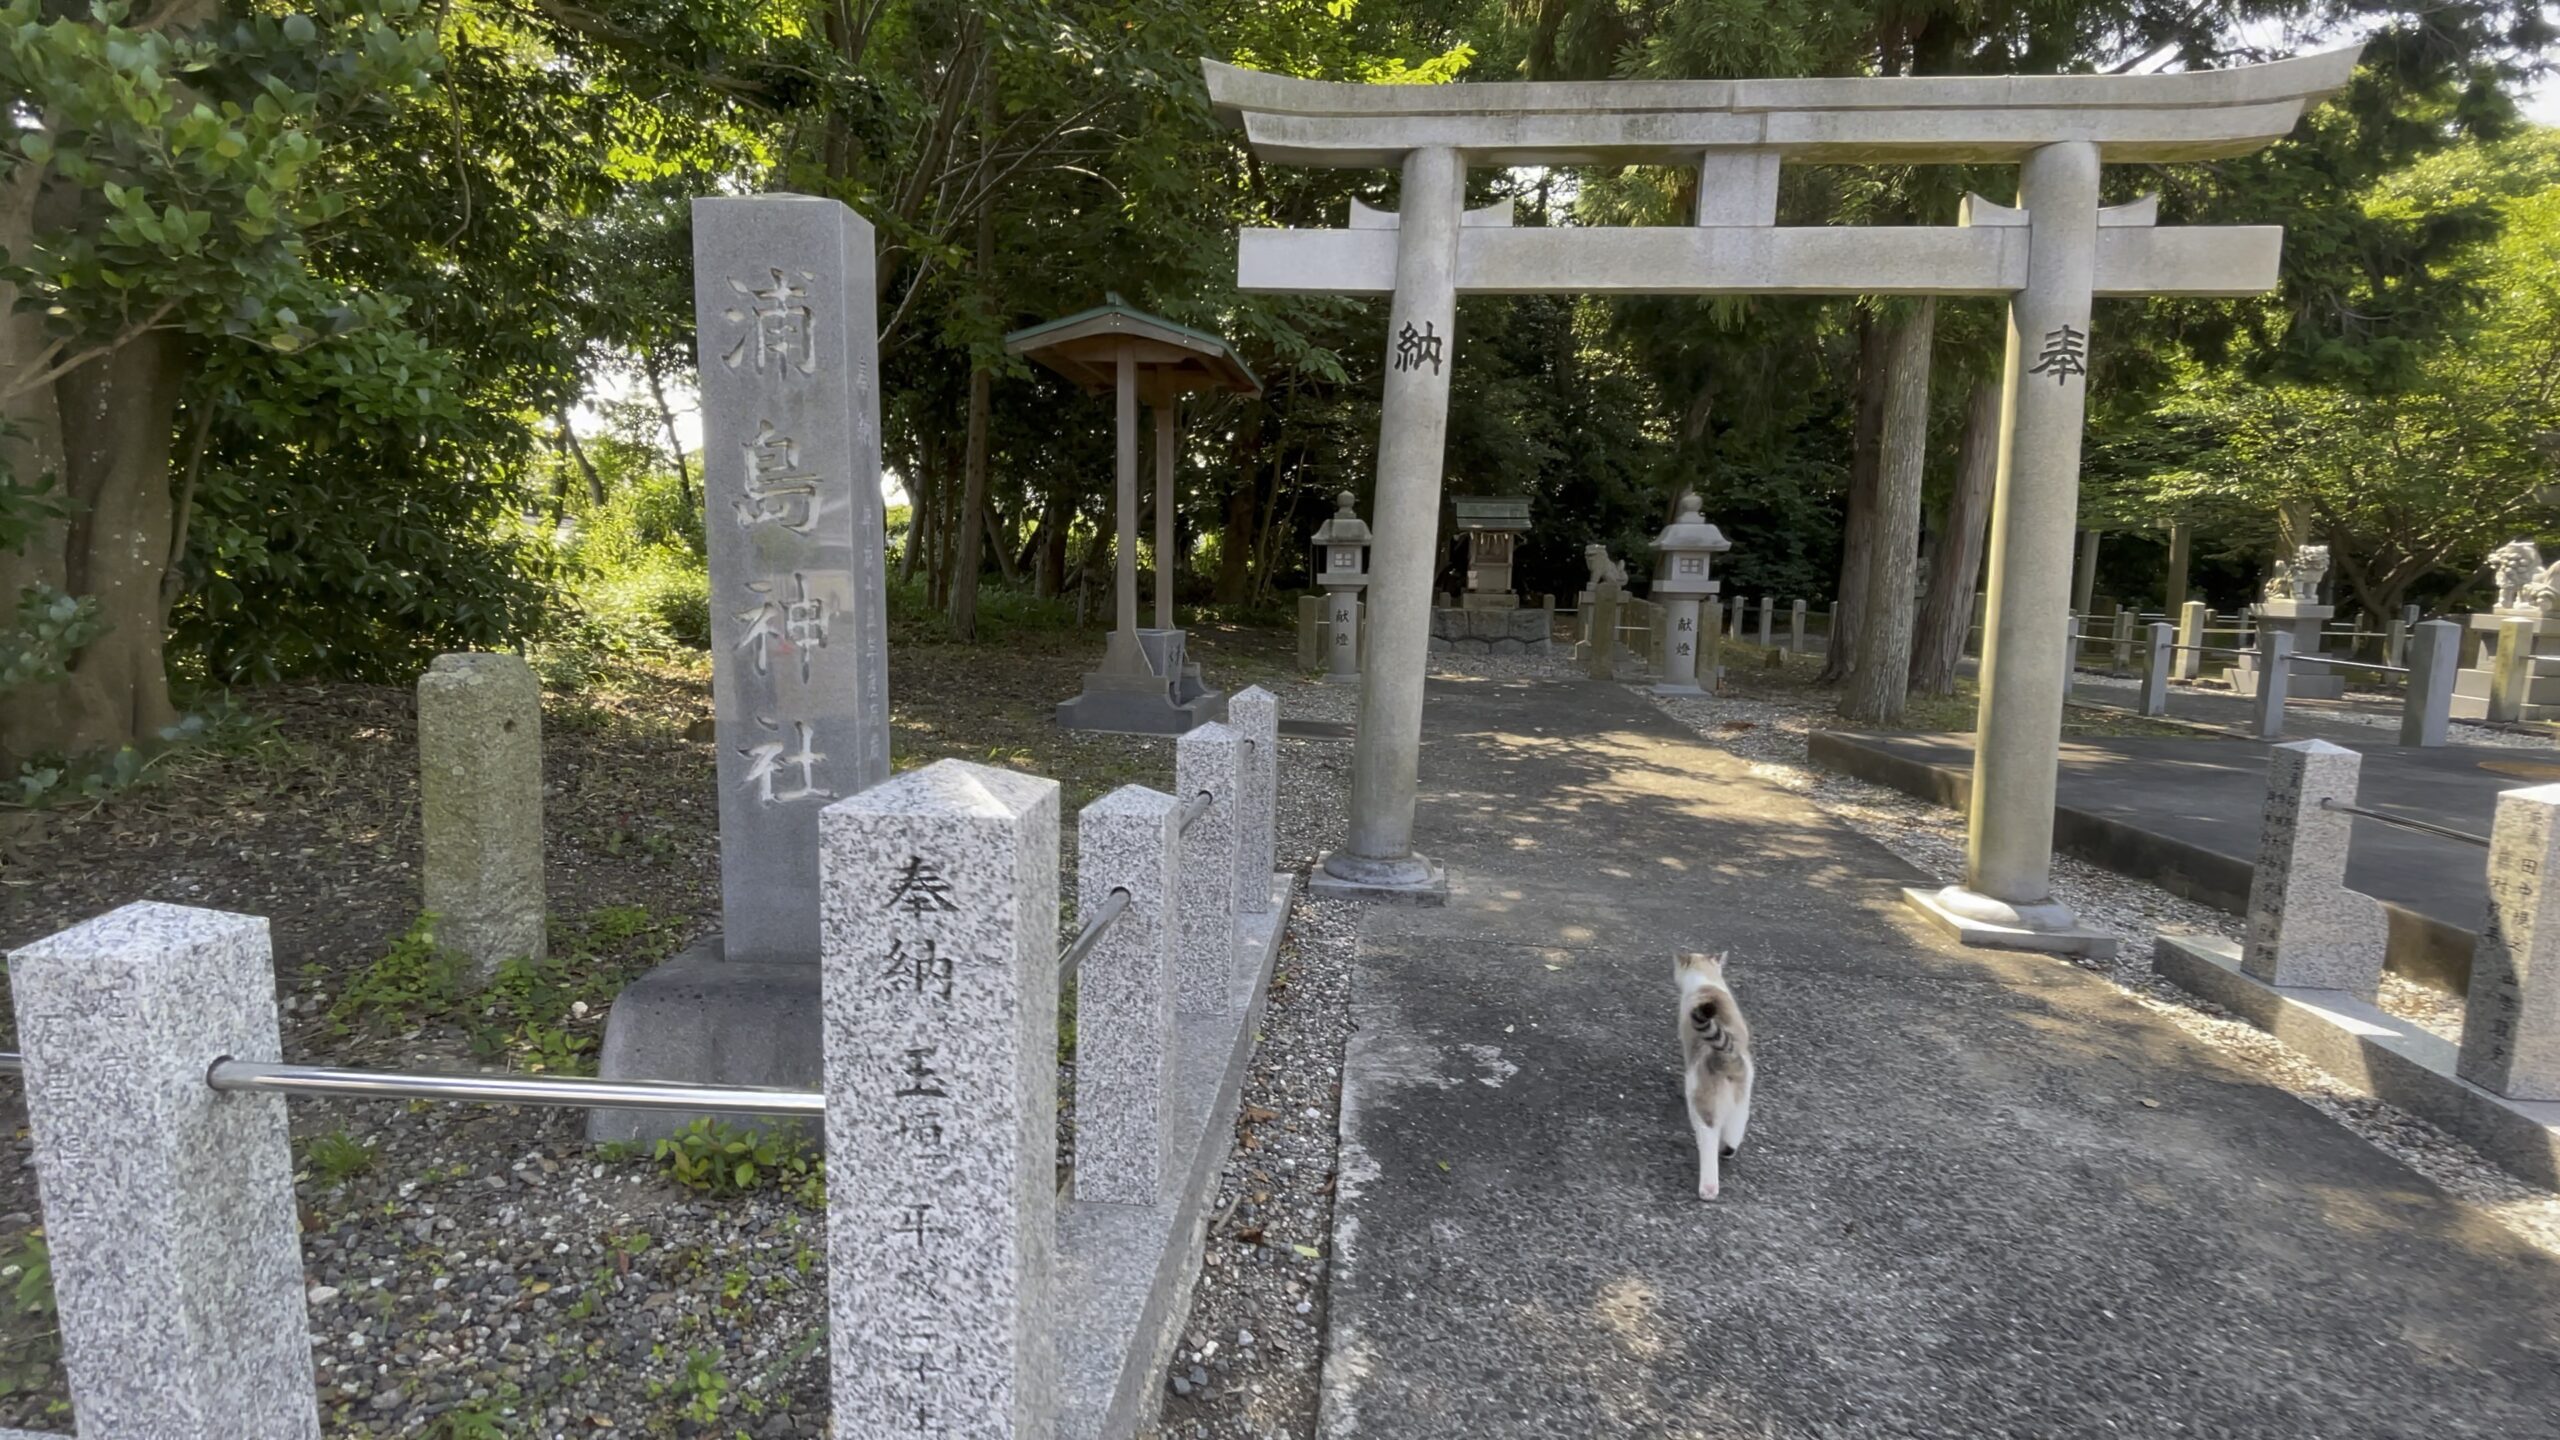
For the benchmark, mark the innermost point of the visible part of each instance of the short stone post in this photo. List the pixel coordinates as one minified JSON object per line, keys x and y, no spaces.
{"x":480,"y":794}
{"x":2275,"y":673}
{"x":1711,"y":647}
{"x":2193,"y":617}
{"x":1735,"y":628}
{"x":1311,"y":632}
{"x":2395,"y":642}
{"x":1344,"y":666}
{"x":2511,"y":1019}
{"x":1795,"y":627}
{"x":1205,"y":761}
{"x":2124,"y":638}
{"x":2305,"y":927}
{"x":1768,"y":612}
{"x":939,"y":995}
{"x":1255,"y":715}
{"x":1126,"y":1150}
{"x":2155,"y":669}
{"x":169,"y":1207}
{"x":1600,"y":656}
{"x":2433,"y":661}
{"x":2511,"y":671}
{"x":2071,"y":638}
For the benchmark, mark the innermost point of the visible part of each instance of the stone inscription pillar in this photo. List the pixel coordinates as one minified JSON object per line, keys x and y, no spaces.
{"x":2511,"y":1019}
{"x":1412,"y":428}
{"x":2009,"y":841}
{"x":789,"y":363}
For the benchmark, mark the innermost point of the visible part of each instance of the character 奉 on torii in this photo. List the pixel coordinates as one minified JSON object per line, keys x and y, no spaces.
{"x":2051,"y":254}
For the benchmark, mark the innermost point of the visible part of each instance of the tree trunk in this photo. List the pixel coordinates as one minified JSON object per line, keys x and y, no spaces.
{"x":973,"y":504}
{"x":1058,"y":516}
{"x":1001,"y":536}
{"x":115,"y":417}
{"x":1857,"y":526}
{"x":918,"y":528}
{"x":667,"y":418}
{"x":1880,"y":675}
{"x":1938,"y":644}
{"x":578,"y":452}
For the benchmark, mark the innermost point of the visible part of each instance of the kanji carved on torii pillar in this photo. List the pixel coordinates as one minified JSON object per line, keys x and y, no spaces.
{"x":2050,"y":255}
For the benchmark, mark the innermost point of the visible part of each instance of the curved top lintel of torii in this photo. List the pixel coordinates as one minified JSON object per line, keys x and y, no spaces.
{"x":1932,"y":119}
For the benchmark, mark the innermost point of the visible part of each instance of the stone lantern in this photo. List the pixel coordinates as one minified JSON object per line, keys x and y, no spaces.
{"x":1343,"y":572}
{"x":1681,"y":579}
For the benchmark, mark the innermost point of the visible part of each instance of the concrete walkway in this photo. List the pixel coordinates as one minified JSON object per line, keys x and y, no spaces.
{"x":1984,"y":1194}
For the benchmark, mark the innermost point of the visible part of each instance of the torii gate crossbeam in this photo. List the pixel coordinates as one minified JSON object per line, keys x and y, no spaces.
{"x":2051,"y":255}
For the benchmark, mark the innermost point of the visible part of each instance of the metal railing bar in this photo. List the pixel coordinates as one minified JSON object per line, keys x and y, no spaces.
{"x":2423,"y":827}
{"x":1196,"y":807}
{"x":275,"y":1078}
{"x":1114,"y":905}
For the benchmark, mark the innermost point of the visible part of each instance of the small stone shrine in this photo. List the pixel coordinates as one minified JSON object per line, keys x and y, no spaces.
{"x":2292,"y":602}
{"x":1147,"y":684}
{"x":2528,"y":596}
{"x":1489,"y":527}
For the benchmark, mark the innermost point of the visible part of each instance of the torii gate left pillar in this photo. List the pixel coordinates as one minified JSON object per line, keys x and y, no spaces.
{"x":2049,"y":257}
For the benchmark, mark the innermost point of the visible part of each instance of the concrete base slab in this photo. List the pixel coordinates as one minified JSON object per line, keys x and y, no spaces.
{"x":701,"y":1018}
{"x":1984,"y":935}
{"x":1142,"y":705}
{"x":2374,"y":1051}
{"x":1431,"y":889}
{"x":1125,"y":1272}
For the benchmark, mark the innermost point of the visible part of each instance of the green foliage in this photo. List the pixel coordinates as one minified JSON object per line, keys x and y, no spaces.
{"x":721,"y":1159}
{"x":642,"y":582}
{"x":43,"y":633}
{"x":337,"y":1156}
{"x":30,"y":1346}
{"x":539,"y":1016}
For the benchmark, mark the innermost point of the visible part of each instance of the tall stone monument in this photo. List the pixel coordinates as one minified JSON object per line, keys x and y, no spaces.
{"x":788,"y":355}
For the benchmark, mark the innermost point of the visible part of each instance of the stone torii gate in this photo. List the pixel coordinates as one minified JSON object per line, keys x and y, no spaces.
{"x":2050,"y":255}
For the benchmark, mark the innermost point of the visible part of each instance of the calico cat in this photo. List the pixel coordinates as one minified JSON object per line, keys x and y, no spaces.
{"x":1715,"y":1062}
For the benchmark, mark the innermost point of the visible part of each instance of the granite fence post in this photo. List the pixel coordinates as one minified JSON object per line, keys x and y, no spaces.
{"x":2395,"y":642}
{"x":1768,"y":612}
{"x":2511,"y":1019}
{"x":939,"y":946}
{"x":2511,"y":671}
{"x":1311,"y":628}
{"x":1205,"y":761}
{"x":2124,"y":622}
{"x":1711,"y":645}
{"x":1255,"y":715}
{"x":1795,"y":627}
{"x":2305,"y":927}
{"x":2275,"y":674}
{"x":1126,"y":1146}
{"x":2155,"y":669}
{"x":168,"y":1206}
{"x":2071,"y":638}
{"x":480,"y":804}
{"x":2434,"y":657}
{"x":2193,"y":617}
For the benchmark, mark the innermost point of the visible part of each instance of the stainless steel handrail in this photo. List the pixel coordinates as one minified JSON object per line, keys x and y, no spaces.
{"x":276,"y":1078}
{"x":1113,"y":905}
{"x":2423,"y":827}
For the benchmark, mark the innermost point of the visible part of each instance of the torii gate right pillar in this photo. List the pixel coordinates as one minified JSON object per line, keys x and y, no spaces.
{"x":2007,"y":898}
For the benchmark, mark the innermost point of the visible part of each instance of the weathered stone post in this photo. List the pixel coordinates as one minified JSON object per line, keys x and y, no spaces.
{"x":2306,"y":928}
{"x":1711,"y":647}
{"x":2433,"y":662}
{"x":2511,"y":1020}
{"x":480,"y":802}
{"x":2071,"y":640}
{"x":1205,"y":762}
{"x":2123,"y":659}
{"x":1768,"y":611}
{"x":1600,"y":657}
{"x":1311,"y":631}
{"x":2035,"y":507}
{"x":1413,"y":421}
{"x":2155,"y":669}
{"x":2193,"y":618}
{"x":2275,"y":677}
{"x":2511,"y":672}
{"x":1795,"y":627}
{"x":169,"y":1207}
{"x":940,"y":1012}
{"x":1344,"y":625}
{"x":2395,"y":642}
{"x":1126,"y":1151}
{"x":1254,"y":714}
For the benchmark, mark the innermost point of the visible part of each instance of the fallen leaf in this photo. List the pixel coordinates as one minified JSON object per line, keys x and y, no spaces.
{"x":1308,"y":1251}
{"x":1255,"y":1114}
{"x":2150,"y":1104}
